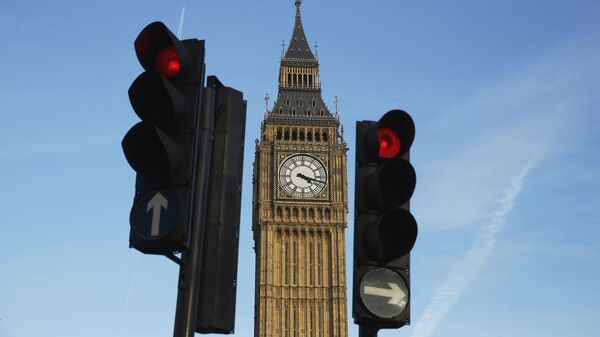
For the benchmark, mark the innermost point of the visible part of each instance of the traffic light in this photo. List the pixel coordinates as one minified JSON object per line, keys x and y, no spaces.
{"x":216,"y":307}
{"x":384,"y":229}
{"x":162,"y":147}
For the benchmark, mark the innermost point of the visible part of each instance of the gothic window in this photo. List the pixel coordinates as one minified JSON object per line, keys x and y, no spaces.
{"x":305,"y":79}
{"x":320,"y":213}
{"x":293,"y":111}
{"x":311,"y":254}
{"x":294,"y":262}
{"x":287,"y":322}
{"x":289,"y":79}
{"x":279,"y":212}
{"x":322,"y":112}
{"x":317,"y":136}
{"x":324,"y":135}
{"x":303,"y":210}
{"x":295,"y":79}
{"x":286,"y":135}
{"x":310,"y":82}
{"x":295,"y":210}
{"x":278,"y":134}
{"x":281,"y":111}
{"x":301,"y":134}
{"x":285,"y":261}
{"x":301,"y":102}
{"x":314,"y":102}
{"x":287,"y":102}
{"x":319,"y":256}
{"x":327,"y":214}
{"x":287,"y":213}
{"x":308,"y":112}
{"x":311,"y":213}
{"x":309,"y":136}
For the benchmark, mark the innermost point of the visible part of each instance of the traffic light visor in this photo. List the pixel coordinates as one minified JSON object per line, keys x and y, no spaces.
{"x":150,"y":152}
{"x":393,"y":235}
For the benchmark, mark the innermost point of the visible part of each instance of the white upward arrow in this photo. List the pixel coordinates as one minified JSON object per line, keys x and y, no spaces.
{"x":394,"y":293}
{"x":157,"y":202}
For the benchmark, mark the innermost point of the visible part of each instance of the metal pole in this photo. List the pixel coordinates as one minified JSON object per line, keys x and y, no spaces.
{"x":367,"y":331}
{"x":189,"y":272}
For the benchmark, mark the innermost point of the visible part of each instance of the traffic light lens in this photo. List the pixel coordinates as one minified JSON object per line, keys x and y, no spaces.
{"x":389,"y":143}
{"x":167,"y":62}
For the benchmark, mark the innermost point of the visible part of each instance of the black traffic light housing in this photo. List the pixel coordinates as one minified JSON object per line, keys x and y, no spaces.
{"x":162,"y":147}
{"x":218,"y":284}
{"x":384,"y":229}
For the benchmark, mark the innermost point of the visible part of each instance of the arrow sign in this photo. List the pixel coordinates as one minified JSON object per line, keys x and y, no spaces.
{"x":156,"y":204}
{"x":384,"y":293}
{"x":394,"y":293}
{"x":156,"y":214}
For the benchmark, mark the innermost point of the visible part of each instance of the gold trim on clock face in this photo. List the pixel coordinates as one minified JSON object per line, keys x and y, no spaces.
{"x":302,"y":176}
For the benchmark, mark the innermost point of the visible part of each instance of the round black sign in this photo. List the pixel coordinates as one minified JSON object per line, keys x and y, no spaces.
{"x":156,"y":214}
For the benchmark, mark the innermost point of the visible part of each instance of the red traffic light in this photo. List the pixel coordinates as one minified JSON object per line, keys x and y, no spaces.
{"x":167,"y":62}
{"x":389,"y":143}
{"x":396,"y":132}
{"x":158,"y":49}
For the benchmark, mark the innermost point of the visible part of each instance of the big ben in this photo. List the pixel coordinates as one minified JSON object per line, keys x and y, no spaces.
{"x":300,"y":205}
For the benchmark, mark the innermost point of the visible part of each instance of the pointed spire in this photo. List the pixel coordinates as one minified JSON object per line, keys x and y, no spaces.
{"x":298,"y":3}
{"x":298,"y":48}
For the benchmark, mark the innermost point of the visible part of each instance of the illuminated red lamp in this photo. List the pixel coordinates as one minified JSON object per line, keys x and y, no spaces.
{"x":167,"y":62}
{"x":389,"y":143}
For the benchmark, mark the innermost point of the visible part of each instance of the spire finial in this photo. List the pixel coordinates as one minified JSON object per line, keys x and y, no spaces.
{"x":336,"y":101}
{"x":267,"y":104}
{"x":316,"y":50}
{"x":298,"y":3}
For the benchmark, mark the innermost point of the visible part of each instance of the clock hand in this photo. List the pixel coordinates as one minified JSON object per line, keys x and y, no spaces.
{"x":309,"y":179}
{"x":300,"y":175}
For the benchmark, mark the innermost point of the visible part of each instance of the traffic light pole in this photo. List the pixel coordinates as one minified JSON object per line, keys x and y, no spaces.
{"x":189,"y":272}
{"x":367,"y":331}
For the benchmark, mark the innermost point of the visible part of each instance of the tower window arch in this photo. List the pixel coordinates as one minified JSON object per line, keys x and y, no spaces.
{"x":293,"y":111}
{"x":286,"y":134}
{"x":308,"y":112}
{"x":301,"y":102}
{"x":325,"y":135}
{"x":289,"y":79}
{"x":317,"y":136}
{"x":295,"y":137}
{"x":314,"y":102}
{"x":309,"y":136}
{"x":287,"y":101}
{"x":302,"y":135}
{"x":278,"y":136}
{"x":305,"y":79}
{"x":310,"y":81}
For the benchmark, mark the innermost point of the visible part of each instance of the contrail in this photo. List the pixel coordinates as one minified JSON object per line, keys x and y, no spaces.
{"x":448,"y":293}
{"x":180,"y":29}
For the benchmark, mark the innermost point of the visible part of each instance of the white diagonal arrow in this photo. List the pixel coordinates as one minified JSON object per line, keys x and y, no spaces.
{"x":394,"y":293}
{"x":157,"y":202}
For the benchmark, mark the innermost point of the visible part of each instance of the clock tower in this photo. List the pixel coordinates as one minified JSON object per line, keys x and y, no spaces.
{"x":300,"y":206}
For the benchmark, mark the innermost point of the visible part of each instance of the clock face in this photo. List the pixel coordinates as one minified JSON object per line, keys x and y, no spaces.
{"x":302,"y":176}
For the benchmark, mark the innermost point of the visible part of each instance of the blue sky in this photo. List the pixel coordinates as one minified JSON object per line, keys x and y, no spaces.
{"x":505,"y":99}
